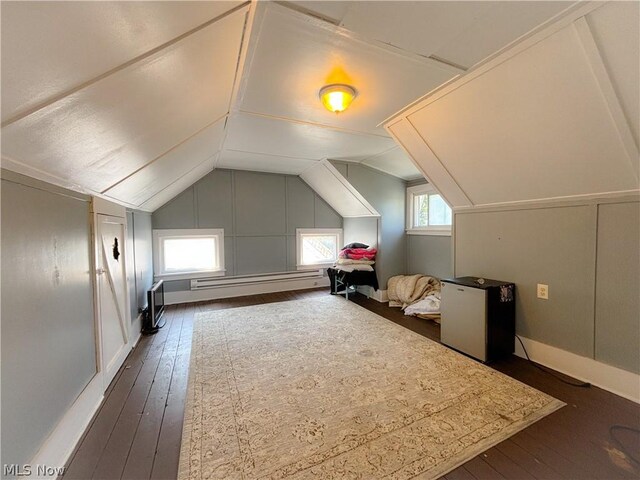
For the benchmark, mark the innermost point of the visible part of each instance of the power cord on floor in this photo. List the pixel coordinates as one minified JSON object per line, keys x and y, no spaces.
{"x":146,"y":321}
{"x":163,"y":323}
{"x":612,"y":429}
{"x":553,"y":374}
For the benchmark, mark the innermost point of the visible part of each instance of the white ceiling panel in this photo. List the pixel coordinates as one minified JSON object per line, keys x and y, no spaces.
{"x":428,"y":163}
{"x":258,"y":162}
{"x":252,"y":133}
{"x":460,"y":32}
{"x":336,"y":190}
{"x":496,"y":28}
{"x":616,"y":29}
{"x":101,"y":134}
{"x":331,"y":10}
{"x":533,"y":127}
{"x":417,"y":26}
{"x":394,"y":162}
{"x":159,"y":174}
{"x":296,"y":55}
{"x":179,"y":185}
{"x":52,"y":47}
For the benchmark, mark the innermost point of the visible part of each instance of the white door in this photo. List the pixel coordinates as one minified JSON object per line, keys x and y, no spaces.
{"x":112,"y":294}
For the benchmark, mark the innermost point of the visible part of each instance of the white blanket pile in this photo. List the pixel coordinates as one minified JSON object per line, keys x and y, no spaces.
{"x":415,"y":294}
{"x":349,"y":265}
{"x":430,"y":305}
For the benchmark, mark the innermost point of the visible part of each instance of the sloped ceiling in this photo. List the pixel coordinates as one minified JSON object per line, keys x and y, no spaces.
{"x":120,"y":99}
{"x":336,"y":190}
{"x":135,"y":101}
{"x":557,"y":119}
{"x":51,"y":48}
{"x":278,"y":117}
{"x":462,"y":33}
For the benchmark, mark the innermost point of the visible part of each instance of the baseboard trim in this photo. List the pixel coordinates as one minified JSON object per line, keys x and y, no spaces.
{"x":59,"y":446}
{"x":615,"y":380}
{"x":136,"y":331}
{"x":186,"y":296}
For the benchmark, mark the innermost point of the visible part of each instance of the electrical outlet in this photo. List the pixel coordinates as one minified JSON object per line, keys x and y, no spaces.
{"x":543,"y":291}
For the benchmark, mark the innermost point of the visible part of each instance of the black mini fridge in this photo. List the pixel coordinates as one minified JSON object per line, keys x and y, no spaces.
{"x":478,"y":317}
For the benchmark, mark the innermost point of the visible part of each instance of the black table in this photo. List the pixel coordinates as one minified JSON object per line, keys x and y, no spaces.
{"x":357,"y":278}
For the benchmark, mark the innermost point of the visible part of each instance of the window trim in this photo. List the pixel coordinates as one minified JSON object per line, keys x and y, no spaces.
{"x":158,"y":258}
{"x":424,"y":189}
{"x":316,"y":231}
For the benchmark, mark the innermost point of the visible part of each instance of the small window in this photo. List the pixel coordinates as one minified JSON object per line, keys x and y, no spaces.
{"x":181,"y":254}
{"x":427,"y":212}
{"x":318,"y":247}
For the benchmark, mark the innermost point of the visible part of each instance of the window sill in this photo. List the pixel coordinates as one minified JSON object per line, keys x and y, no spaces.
{"x":318,"y":266}
{"x":439,"y":233}
{"x":189,"y":275}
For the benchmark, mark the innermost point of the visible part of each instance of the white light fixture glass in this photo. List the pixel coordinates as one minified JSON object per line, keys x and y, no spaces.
{"x":337,"y":97}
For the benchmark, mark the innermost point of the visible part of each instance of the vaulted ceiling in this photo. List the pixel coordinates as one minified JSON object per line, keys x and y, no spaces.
{"x":556,"y":117}
{"x":135,"y":101}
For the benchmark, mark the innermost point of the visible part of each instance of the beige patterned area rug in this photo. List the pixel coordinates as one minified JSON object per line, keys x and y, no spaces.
{"x":323,"y":388}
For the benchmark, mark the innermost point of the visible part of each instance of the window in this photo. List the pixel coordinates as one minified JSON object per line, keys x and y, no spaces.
{"x":427,"y":212}
{"x":183,"y":254}
{"x":318,"y":247}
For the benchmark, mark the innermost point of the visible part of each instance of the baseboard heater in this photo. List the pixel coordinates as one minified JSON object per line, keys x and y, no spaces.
{"x":203,"y":283}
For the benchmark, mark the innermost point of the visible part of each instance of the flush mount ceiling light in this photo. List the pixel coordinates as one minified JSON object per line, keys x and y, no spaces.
{"x":337,"y":97}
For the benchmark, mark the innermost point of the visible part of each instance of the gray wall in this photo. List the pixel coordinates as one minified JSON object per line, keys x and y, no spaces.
{"x":140,"y":260}
{"x":568,"y":248}
{"x":259,"y":213}
{"x":362,"y":230}
{"x":618,"y":286}
{"x":48,"y":337}
{"x":387,"y":195}
{"x":430,"y":255}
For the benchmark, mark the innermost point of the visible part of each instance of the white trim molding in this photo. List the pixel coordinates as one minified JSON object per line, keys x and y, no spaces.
{"x":159,"y":235}
{"x":570,"y":201}
{"x":615,"y":380}
{"x":312,"y":232}
{"x":437,"y":233}
{"x":59,"y":445}
{"x":56,"y":450}
{"x":605,"y":83}
{"x":135,"y":332}
{"x":424,"y":189}
{"x":106,"y":207}
{"x":337,"y":191}
{"x":539,"y":33}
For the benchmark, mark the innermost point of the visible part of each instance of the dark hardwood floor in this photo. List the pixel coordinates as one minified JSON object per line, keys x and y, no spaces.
{"x":137,"y":431}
